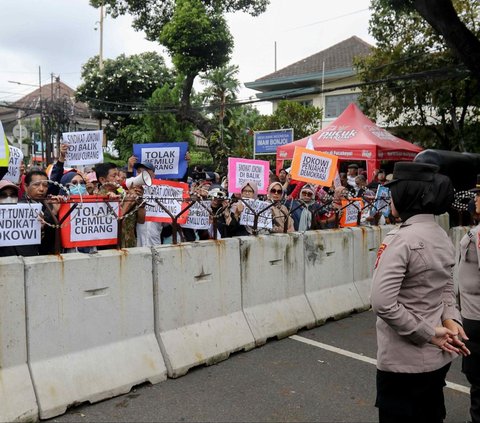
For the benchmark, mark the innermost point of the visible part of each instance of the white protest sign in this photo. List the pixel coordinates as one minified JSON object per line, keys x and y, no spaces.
{"x":247,"y":217}
{"x":165,"y":159}
{"x":242,"y":170}
{"x":198,"y":216}
{"x":94,"y":221}
{"x":16,"y":158}
{"x":84,"y":148}
{"x":171,"y":198}
{"x":20,"y":225}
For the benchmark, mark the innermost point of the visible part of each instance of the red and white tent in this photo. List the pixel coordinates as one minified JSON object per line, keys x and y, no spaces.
{"x":352,"y":136}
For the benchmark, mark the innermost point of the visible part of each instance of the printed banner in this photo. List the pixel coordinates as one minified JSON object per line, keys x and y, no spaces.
{"x":247,"y":170}
{"x":91,"y":223}
{"x":4,"y":150}
{"x":247,"y":217}
{"x":16,"y":159}
{"x":313,"y":167}
{"x":84,"y":148}
{"x":350,"y":213}
{"x":20,"y":225}
{"x":171,"y":195}
{"x":168,"y":158}
{"x":198,"y":216}
{"x":382,"y":201}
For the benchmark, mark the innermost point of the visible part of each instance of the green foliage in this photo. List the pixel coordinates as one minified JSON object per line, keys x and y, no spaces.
{"x":201,"y":158}
{"x":304,"y":120}
{"x":414,"y":79}
{"x":151,"y":15}
{"x":119,"y":91}
{"x":197,"y":40}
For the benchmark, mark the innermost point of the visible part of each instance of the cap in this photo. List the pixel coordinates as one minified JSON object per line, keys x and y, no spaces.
{"x":217,"y":193}
{"x":146,"y":165}
{"x":7,"y":184}
{"x":477,"y":186}
{"x":352,"y":166}
{"x":413,"y":171}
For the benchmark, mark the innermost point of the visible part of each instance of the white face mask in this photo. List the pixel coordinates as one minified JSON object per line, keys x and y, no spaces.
{"x":9,"y":200}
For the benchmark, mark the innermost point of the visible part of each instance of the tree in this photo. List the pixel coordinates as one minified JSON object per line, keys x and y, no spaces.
{"x":119,"y":91}
{"x":414,"y":80}
{"x":304,"y":120}
{"x":195,"y":34}
{"x":445,"y":20}
{"x":156,"y":124}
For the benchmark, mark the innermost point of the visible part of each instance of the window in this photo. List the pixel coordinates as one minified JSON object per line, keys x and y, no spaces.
{"x":336,"y":104}
{"x":306,"y":103}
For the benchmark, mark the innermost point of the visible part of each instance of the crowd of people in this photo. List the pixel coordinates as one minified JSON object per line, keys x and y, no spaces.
{"x":290,"y":205}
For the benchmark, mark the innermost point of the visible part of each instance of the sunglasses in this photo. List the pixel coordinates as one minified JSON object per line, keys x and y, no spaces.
{"x":307,"y":193}
{"x":276,"y":191}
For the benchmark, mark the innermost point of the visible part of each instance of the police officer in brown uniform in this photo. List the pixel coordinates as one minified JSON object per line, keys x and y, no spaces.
{"x":469,"y":285}
{"x":413,"y":297}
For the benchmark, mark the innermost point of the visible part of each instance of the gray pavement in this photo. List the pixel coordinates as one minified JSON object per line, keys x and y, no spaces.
{"x":283,"y":381}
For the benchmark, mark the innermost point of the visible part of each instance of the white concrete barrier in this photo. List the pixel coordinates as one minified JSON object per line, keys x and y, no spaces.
{"x":444,"y":221}
{"x":198,"y":309}
{"x":329,"y":273}
{"x":17,"y":398}
{"x":273,"y":288}
{"x":90,"y":326}
{"x":366,"y":240}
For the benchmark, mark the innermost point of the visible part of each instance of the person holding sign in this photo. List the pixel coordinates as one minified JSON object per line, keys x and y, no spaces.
{"x":281,"y":220}
{"x":249,"y":190}
{"x":418,"y":329}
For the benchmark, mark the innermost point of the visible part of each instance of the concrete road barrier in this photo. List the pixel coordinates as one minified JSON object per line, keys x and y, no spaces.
{"x":198,"y":309}
{"x":273,"y":288}
{"x":366,"y":240}
{"x":17,"y":398}
{"x":329,"y":274}
{"x":90,"y":326}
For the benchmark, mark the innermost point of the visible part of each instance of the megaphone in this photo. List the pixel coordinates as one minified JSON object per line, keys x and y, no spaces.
{"x":143,"y":178}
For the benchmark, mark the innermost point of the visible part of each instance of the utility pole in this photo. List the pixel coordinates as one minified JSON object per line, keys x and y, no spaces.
{"x":100,"y":58}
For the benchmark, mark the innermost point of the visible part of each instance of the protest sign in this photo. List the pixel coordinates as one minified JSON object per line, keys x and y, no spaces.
{"x":247,"y":217}
{"x":84,"y":148}
{"x":314,"y":167}
{"x":247,"y":170}
{"x":382,"y":201}
{"x":171,"y":195}
{"x":20,"y":225}
{"x":91,"y":223}
{"x":350,"y":212}
{"x":16,"y":159}
{"x":4,"y":150}
{"x":168,"y":158}
{"x":198,"y":216}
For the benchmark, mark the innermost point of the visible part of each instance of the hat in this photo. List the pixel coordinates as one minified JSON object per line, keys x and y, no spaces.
{"x":352,"y":166}
{"x":477,"y":186}
{"x":413,"y":171}
{"x":146,"y":165}
{"x":7,"y":184}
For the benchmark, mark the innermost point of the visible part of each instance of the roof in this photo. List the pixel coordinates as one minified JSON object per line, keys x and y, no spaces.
{"x":338,"y":60}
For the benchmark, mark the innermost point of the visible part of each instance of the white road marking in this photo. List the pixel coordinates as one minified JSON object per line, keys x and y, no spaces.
{"x":451,"y":385}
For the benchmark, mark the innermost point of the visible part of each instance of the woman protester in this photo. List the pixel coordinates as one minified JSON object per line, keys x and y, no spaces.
{"x":248,"y":191}
{"x":418,"y":329}
{"x":281,"y":219}
{"x":469,"y":286}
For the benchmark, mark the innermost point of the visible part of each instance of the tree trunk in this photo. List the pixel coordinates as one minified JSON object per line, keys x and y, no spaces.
{"x":443,"y":17}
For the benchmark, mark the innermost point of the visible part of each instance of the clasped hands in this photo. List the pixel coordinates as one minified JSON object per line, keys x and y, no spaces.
{"x":450,"y":336}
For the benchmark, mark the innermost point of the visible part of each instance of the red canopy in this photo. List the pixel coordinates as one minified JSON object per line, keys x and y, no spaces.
{"x":352,"y":136}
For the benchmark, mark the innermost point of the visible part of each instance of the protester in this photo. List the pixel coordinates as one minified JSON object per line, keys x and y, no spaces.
{"x":221,"y":213}
{"x":281,"y":219}
{"x":469,"y":287}
{"x":249,"y":190}
{"x":306,"y":212}
{"x":352,"y":173}
{"x":414,"y":299}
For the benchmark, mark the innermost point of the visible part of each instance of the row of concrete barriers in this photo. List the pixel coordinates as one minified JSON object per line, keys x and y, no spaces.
{"x":77,"y":328}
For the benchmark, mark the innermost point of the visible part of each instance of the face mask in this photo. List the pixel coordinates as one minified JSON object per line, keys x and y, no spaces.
{"x":79,"y":189}
{"x":9,"y":200}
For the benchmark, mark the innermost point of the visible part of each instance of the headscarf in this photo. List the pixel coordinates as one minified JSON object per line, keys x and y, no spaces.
{"x":67,"y":177}
{"x":253,"y":186}
{"x":271,"y":186}
{"x":422,"y":197}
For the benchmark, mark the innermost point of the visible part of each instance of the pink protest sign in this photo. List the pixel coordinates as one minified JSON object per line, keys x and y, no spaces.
{"x":247,"y":170}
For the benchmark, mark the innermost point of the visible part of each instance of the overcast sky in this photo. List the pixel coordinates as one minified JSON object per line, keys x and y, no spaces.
{"x":60,"y":36}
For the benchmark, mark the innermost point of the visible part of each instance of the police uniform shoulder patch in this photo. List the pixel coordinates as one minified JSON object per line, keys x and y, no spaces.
{"x":381,"y":249}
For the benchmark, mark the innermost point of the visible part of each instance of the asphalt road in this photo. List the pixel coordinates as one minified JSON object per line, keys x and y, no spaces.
{"x":326,"y":374}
